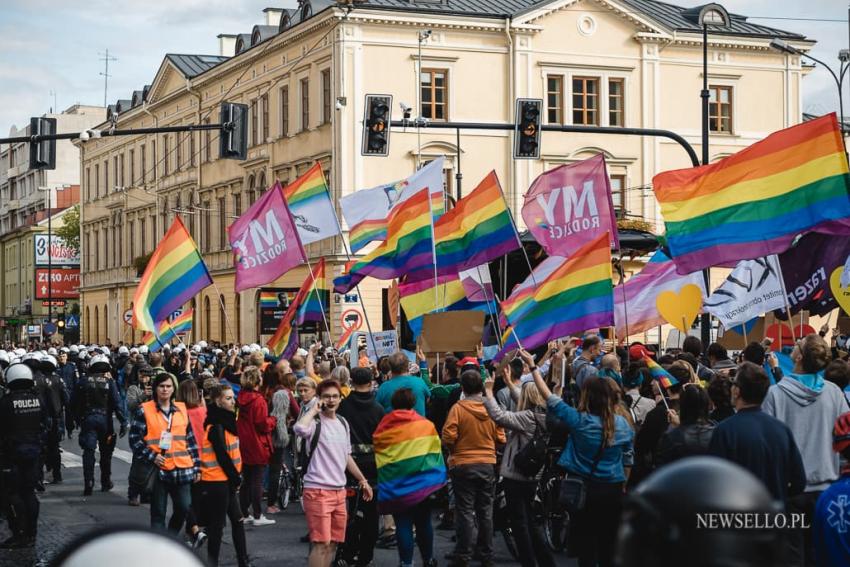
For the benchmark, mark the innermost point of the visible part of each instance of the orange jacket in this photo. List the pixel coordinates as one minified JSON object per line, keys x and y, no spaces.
{"x":470,"y":434}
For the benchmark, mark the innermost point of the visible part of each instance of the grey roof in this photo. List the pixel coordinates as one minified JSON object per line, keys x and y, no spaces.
{"x":123,"y":105}
{"x":262,"y":33}
{"x":669,"y":15}
{"x":243,"y":40}
{"x":193,"y":65}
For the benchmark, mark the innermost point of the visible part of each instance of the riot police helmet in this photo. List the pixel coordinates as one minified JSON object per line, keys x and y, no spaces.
{"x":32,"y":359}
{"x":4,"y":359}
{"x":99,"y":363}
{"x":49,"y":363}
{"x":18,"y":372}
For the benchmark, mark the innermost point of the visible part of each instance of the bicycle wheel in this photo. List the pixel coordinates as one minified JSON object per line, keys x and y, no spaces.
{"x":556,"y":529}
{"x":510,"y":543}
{"x":285,"y":490}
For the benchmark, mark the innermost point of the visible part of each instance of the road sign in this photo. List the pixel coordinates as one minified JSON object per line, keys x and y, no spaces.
{"x":72,"y":321}
{"x":351,"y":320}
{"x":128,"y":316}
{"x":49,"y":328}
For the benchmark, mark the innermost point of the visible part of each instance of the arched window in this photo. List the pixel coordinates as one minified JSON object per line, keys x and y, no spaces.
{"x":87,"y":334}
{"x":96,"y":323}
{"x":195,"y":331}
{"x":207,"y":319}
{"x":261,"y":183}
{"x":105,"y":322}
{"x":285,"y":21}
{"x":306,"y":11}
{"x":222,"y":329}
{"x":251,"y":190}
{"x":238,"y":329}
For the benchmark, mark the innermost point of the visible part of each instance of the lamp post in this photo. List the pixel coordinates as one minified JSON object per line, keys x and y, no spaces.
{"x":709,"y":15}
{"x":844,"y":67}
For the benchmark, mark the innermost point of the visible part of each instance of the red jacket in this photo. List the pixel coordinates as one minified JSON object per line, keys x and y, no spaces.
{"x":255,"y":427}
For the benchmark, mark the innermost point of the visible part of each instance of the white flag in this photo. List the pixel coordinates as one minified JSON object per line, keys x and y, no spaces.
{"x":752,"y":289}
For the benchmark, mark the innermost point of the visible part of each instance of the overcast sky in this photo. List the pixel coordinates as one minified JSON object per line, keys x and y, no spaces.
{"x":50,"y":45}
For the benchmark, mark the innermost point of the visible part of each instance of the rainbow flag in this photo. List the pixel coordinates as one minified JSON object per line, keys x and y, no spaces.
{"x":175,"y":273}
{"x":268,"y":300}
{"x":478,"y":230}
{"x":658,"y":373}
{"x":755,"y":202}
{"x":182,"y":323}
{"x":407,"y":251}
{"x":317,"y":297}
{"x":310,"y":203}
{"x":574,"y":297}
{"x":285,"y":340}
{"x":151,"y":341}
{"x":410,"y":462}
{"x":419,"y":298}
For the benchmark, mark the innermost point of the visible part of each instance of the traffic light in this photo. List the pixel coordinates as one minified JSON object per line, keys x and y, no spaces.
{"x":376,"y":125}
{"x":527,"y":129}
{"x":43,"y":154}
{"x":60,"y":323}
{"x":233,"y":142}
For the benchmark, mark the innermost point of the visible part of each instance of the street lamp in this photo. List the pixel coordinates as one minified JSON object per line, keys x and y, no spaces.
{"x":843,"y":58}
{"x":709,"y":15}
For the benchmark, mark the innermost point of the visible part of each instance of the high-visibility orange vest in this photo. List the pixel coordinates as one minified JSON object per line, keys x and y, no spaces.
{"x":211,"y":471}
{"x":178,"y":456}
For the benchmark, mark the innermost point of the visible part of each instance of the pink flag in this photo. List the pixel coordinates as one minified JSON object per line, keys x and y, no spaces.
{"x":265,"y":241}
{"x":569,"y":206}
{"x":477,"y":283}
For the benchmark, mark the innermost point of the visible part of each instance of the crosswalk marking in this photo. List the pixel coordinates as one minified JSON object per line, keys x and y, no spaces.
{"x":72,"y":460}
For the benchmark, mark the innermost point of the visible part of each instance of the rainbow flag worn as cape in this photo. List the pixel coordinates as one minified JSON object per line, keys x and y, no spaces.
{"x":409,"y":459}
{"x":754,"y":203}
{"x":658,"y":373}
{"x":574,"y":297}
{"x":317,"y":297}
{"x":174,"y":274}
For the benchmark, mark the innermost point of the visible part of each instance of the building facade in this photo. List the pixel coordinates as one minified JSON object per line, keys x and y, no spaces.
{"x":305,"y":73}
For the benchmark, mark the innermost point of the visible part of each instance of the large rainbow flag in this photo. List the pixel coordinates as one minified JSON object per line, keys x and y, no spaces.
{"x":755,"y":202}
{"x":419,"y":298}
{"x":317,"y":298}
{"x":310,"y":204}
{"x":150,"y":340}
{"x":175,"y":273}
{"x":477,"y":230}
{"x":574,"y":297}
{"x":410,"y":462}
{"x":285,"y":340}
{"x":168,"y":330}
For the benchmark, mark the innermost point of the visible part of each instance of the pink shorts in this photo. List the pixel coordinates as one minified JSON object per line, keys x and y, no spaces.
{"x":326,"y":514}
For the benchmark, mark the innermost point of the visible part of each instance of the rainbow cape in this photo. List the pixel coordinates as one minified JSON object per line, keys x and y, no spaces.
{"x":477,"y":230}
{"x":175,"y":273}
{"x":755,"y":202}
{"x":410,"y":460}
{"x":310,"y":203}
{"x":658,"y":373}
{"x":420,"y":298}
{"x":318,"y":296}
{"x":574,"y":297}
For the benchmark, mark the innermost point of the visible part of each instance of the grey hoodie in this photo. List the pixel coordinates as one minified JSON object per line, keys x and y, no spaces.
{"x":810,"y":415}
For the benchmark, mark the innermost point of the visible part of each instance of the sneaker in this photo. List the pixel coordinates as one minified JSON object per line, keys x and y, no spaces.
{"x":263,"y":521}
{"x":431,"y":563}
{"x":199,"y":539}
{"x":272,"y":510}
{"x":106,"y":486}
{"x":134,"y":501}
{"x":247,"y":520}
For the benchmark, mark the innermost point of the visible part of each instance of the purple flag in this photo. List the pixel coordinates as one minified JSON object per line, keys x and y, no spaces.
{"x":807,"y":268}
{"x":265,"y":241}
{"x":569,"y":206}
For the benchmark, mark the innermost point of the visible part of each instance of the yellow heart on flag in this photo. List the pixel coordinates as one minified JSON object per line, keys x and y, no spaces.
{"x":680,"y":309}
{"x":841,"y":294}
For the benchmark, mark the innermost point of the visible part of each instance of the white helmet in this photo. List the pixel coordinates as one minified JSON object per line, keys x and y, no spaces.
{"x":196,"y":348}
{"x":18,"y":371}
{"x":265,"y":350}
{"x":19,"y":352}
{"x":75,"y":349}
{"x":84,"y":354}
{"x":202,"y":344}
{"x":134,"y":350}
{"x":52,"y":351}
{"x":123,"y":350}
{"x":246,"y":349}
{"x":255,"y":347}
{"x":4,"y":358}
{"x":64,"y":349}
{"x":32,"y":357}
{"x":99,"y":363}
{"x":143,"y":349}
{"x":49,"y":359}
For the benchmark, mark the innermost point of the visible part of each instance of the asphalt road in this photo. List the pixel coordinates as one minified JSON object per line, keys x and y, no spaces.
{"x":66,"y":514}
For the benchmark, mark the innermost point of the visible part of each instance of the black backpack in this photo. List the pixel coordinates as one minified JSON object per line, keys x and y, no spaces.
{"x":530,"y":459}
{"x":314,"y":441}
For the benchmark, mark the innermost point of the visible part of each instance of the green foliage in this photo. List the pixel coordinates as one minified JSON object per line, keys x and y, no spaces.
{"x":70,"y":229}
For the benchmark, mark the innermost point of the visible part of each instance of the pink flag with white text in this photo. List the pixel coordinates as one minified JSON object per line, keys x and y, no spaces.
{"x":571,"y":205}
{"x":265,"y":241}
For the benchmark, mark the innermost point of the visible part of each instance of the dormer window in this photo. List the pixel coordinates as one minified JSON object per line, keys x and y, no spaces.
{"x":306,"y":11}
{"x":255,"y":38}
{"x":285,"y":21}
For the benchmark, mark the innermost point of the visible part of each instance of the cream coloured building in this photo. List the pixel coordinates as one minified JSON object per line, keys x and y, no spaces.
{"x":305,"y":73}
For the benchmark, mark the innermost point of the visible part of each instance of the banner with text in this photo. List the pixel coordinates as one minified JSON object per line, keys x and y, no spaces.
{"x":58,"y":253}
{"x":752,"y":289}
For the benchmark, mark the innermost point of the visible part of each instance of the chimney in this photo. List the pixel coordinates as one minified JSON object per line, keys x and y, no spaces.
{"x":227,"y":44}
{"x":273,"y":16}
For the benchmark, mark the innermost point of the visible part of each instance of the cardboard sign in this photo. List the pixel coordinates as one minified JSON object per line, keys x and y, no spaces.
{"x":452,"y":331}
{"x":733,"y":340}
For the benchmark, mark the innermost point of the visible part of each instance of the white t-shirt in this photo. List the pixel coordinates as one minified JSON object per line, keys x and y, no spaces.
{"x":327,"y":465}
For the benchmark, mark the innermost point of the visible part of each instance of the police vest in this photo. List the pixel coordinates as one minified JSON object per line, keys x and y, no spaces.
{"x":177,"y":456}
{"x":97,"y":391}
{"x":211,"y":471}
{"x":24,"y":408}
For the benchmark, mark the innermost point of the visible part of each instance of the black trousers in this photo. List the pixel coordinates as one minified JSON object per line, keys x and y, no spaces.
{"x":218,"y":502}
{"x":251,"y":492}
{"x":23,"y":506}
{"x":531,"y":544}
{"x":52,"y":456}
{"x":361,"y":534}
{"x":593,"y":531}
{"x":800,"y":546}
{"x":474,"y":487}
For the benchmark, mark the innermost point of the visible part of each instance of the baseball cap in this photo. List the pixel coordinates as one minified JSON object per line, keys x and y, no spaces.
{"x":639,"y":352}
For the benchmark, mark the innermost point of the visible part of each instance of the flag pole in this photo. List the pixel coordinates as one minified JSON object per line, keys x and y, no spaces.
{"x":224,"y":311}
{"x":512,"y":328}
{"x":324,"y":318}
{"x":516,"y":234}
{"x":493,"y":316}
{"x":787,"y":306}
{"x":625,"y":303}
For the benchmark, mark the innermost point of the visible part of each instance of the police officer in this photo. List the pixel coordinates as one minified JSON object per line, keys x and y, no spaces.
{"x":96,"y":402}
{"x":23,"y":421}
{"x":56,"y":400}
{"x":33,"y":360}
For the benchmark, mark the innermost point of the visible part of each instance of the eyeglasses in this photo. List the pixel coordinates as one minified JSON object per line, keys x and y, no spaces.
{"x":331,"y":397}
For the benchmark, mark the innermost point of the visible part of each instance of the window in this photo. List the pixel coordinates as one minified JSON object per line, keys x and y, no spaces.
{"x":132,"y":167}
{"x":131,"y":232}
{"x":237,"y":204}
{"x":434,"y":86}
{"x":207,"y":324}
{"x":222,"y":224}
{"x":122,"y":164}
{"x":115,"y":173}
{"x":207,"y":227}
{"x":305,"y":104}
{"x":586,"y":101}
{"x":720,"y":109}
{"x":165,"y":155}
{"x":251,"y":191}
{"x":97,"y":254}
{"x":143,"y":163}
{"x":616,"y":100}
{"x":191,"y":149}
{"x":555,"y":99}
{"x":178,"y":151}
{"x":88,"y":185}
{"x":143,"y":247}
{"x":221,"y":319}
{"x":618,"y":194}
{"x":207,"y":142}
{"x":96,"y":181}
{"x":284,"y":111}
{"x":265,"y":108}
{"x":326,"y":96}
{"x":153,"y":159}
{"x":254,"y":119}
{"x":106,"y":177}
{"x":120,"y":230}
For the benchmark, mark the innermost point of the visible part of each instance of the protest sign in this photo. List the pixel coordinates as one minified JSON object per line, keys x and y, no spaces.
{"x":452,"y":331}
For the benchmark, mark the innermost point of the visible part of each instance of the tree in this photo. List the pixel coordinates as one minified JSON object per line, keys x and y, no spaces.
{"x":70,"y":229}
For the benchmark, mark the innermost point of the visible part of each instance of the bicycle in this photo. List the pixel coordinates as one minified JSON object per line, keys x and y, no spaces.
{"x":500,"y":520}
{"x":550,"y":512}
{"x":290,"y":486}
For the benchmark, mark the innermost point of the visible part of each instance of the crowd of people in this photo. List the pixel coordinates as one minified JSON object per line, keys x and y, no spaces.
{"x":223,"y":431}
